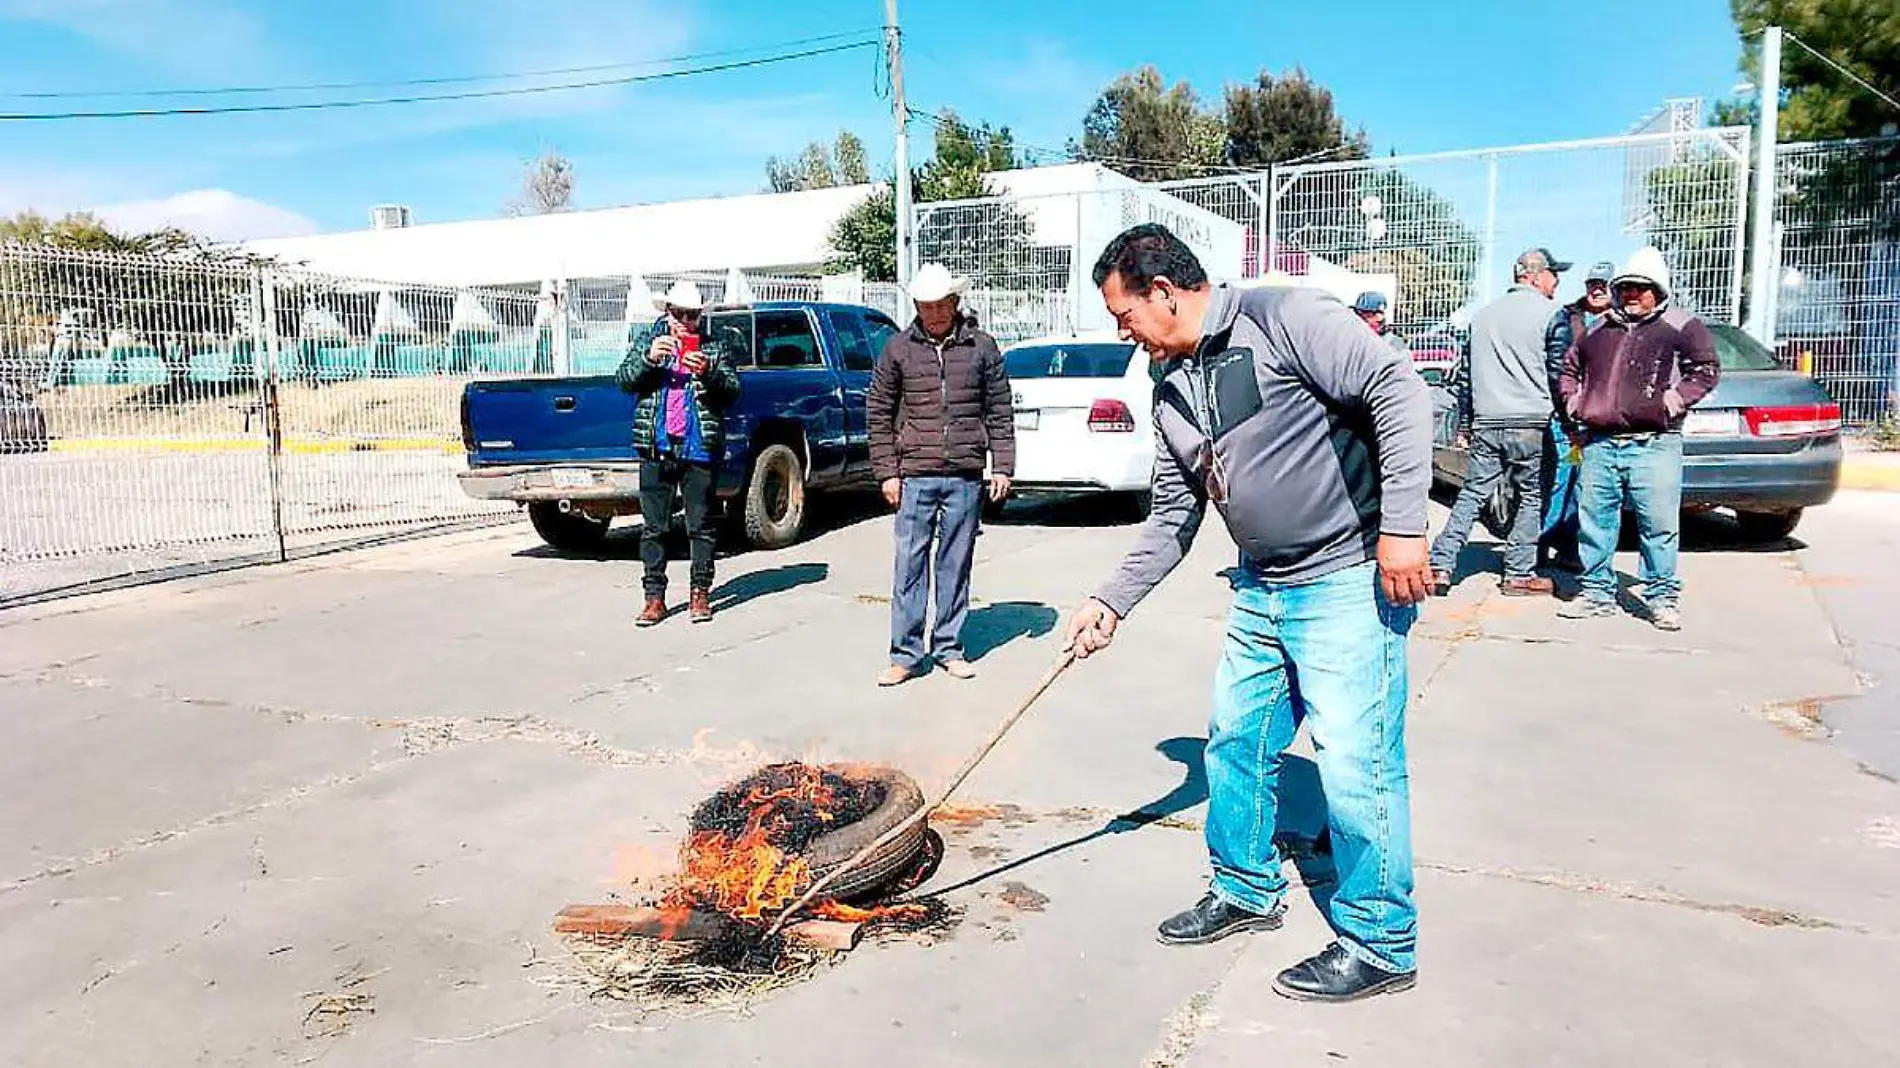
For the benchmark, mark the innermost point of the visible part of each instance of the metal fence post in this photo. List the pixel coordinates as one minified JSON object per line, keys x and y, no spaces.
{"x":269,"y":376}
{"x":1490,"y":245}
{"x":563,"y":330}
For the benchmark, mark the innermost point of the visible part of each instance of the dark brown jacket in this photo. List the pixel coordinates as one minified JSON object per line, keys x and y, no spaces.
{"x":1639,"y":377}
{"x":941,"y":408}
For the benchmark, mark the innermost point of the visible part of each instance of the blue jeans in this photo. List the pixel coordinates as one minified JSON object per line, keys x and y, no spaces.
{"x":1645,"y":473}
{"x":1496,"y":455}
{"x":1560,"y":494}
{"x":1333,"y":650}
{"x":943,"y":509}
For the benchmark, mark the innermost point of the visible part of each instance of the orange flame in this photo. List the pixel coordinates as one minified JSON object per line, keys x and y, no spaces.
{"x":749,"y":876}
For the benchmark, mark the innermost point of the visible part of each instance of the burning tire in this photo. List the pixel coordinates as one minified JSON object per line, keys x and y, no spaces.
{"x":757,"y":843}
{"x":902,"y":799}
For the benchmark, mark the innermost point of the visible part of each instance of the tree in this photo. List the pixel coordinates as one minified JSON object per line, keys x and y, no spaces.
{"x":167,"y":287}
{"x":1151,"y":132}
{"x":1279,"y":119}
{"x":1424,"y":242}
{"x":848,"y":153}
{"x":547,"y":187}
{"x":820,"y":166}
{"x":989,"y":242}
{"x":865,"y":239}
{"x":1819,"y":102}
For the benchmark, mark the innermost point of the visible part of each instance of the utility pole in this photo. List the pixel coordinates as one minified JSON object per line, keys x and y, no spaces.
{"x":894,"y":60}
{"x":1766,"y":281}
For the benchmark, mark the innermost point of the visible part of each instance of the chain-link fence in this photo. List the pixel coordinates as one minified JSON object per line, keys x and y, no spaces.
{"x":1447,"y":227}
{"x":1837,"y":304}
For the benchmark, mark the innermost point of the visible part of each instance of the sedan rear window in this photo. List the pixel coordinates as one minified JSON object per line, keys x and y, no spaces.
{"x":1737,"y":351}
{"x":1101,"y":360}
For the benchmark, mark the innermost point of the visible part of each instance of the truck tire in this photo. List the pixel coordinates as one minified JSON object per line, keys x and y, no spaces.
{"x":1767,"y":527}
{"x":775,"y":499}
{"x":570,"y":532}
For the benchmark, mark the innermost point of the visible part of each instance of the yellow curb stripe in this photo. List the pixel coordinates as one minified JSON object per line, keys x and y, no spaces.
{"x":302,"y":446}
{"x":1870,"y":476}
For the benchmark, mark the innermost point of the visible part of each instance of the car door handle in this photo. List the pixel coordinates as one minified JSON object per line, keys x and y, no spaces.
{"x":563,"y":404}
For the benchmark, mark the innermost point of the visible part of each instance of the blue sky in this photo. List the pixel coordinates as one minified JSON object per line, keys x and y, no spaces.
{"x":1416,"y":77}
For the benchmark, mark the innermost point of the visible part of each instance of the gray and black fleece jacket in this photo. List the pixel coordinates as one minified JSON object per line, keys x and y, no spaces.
{"x":1320,"y":429}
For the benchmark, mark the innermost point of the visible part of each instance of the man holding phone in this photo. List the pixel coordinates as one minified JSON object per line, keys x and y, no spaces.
{"x":683,"y":385}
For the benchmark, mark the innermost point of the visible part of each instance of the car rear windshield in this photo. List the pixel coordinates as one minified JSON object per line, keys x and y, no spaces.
{"x":1104,"y":360}
{"x":1739,"y":352}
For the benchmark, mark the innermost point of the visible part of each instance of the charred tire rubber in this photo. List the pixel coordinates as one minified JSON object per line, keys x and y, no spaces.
{"x":775,"y":499}
{"x":570,"y":532}
{"x":1766,"y":527}
{"x":826,"y":852}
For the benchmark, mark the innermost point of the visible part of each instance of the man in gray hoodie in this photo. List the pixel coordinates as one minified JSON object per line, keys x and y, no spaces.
{"x":1505,"y":388}
{"x":1312,"y":437}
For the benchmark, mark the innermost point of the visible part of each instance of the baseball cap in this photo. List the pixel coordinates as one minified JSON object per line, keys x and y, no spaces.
{"x":1538,"y":259}
{"x":1370,"y":301}
{"x":1601,"y":271}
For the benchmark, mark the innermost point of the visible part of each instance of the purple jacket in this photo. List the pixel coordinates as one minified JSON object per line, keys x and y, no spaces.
{"x":1639,"y":377}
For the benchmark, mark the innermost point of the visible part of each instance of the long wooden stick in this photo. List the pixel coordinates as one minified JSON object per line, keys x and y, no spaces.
{"x":1042,"y":685}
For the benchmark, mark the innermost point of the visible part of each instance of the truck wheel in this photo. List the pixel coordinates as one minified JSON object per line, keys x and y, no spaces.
{"x":775,"y":499}
{"x":1767,"y":527}
{"x":571,"y":532}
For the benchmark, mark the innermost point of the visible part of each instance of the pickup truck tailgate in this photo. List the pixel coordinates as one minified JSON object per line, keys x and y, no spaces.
{"x":538,"y":421}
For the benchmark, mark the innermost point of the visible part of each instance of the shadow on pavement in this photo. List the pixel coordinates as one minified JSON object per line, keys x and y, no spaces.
{"x":993,"y":626}
{"x":1300,"y":826}
{"x":748,"y":587}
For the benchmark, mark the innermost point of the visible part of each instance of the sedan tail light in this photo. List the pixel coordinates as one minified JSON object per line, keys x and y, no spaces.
{"x":1111,"y":417}
{"x":1793,"y":420}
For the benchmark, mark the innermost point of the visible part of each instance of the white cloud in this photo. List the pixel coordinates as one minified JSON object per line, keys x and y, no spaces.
{"x":217,"y":214}
{"x":177,"y":35}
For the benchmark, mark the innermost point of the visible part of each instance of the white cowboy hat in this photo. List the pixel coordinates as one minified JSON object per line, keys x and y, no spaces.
{"x":684,"y":295}
{"x":934,"y":283}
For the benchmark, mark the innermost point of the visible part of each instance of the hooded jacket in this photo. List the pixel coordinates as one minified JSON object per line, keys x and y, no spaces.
{"x":1639,"y":375}
{"x":940,"y":407}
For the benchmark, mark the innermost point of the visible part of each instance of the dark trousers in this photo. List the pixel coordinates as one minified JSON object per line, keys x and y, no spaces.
{"x":944,"y":510}
{"x":1498,"y":454}
{"x":661,"y":481}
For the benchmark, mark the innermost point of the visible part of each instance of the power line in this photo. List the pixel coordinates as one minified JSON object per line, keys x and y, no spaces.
{"x":1829,"y":60}
{"x":482,"y":94}
{"x":453,"y":80}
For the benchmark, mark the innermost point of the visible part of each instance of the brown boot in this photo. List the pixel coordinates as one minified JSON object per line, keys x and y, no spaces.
{"x":700,"y":605}
{"x":654,"y":612}
{"x":1536,"y":586}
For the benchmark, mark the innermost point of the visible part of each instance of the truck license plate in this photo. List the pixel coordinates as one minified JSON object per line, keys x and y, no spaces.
{"x":573,"y":479}
{"x":1028,"y":420}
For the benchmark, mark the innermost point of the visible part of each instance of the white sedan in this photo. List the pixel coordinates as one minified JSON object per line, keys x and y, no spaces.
{"x":1084,"y":424}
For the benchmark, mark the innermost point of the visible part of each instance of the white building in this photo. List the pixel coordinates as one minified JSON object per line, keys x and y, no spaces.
{"x":773,"y":233}
{"x":1076,"y":205}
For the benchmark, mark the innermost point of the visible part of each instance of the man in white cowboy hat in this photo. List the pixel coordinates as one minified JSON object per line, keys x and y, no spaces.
{"x":939,"y":409}
{"x":683,"y":382}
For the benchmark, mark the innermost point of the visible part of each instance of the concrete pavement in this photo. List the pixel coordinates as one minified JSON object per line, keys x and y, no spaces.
{"x":378,"y":775}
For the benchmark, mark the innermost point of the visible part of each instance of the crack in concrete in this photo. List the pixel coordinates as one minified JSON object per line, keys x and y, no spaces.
{"x":1185,"y":1026}
{"x":1755,"y":914}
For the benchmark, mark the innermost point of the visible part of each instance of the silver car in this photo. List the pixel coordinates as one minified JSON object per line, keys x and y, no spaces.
{"x":1765,"y":443}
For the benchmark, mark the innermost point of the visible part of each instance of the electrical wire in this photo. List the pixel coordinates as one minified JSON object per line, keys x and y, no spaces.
{"x":1829,"y":60}
{"x":425,"y":98}
{"x":452,"y":80}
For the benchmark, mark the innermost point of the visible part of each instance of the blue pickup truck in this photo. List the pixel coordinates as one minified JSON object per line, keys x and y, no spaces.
{"x":563,"y":447}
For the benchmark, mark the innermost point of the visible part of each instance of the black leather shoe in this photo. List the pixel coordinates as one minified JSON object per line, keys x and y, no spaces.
{"x":1336,"y":975}
{"x":1214,"y":919}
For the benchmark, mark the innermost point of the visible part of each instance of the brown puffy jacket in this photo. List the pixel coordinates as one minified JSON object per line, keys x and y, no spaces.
{"x":940,"y":408}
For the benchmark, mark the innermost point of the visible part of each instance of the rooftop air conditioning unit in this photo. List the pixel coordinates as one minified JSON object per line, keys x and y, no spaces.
{"x":389,"y":216}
